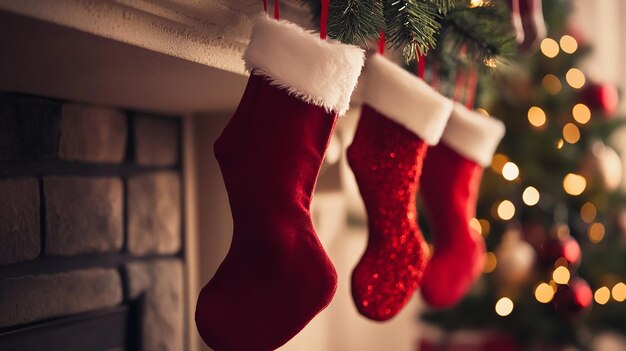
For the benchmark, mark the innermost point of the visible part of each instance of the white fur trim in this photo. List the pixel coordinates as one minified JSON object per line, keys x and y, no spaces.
{"x":404,"y":98}
{"x":473,"y":135}
{"x":321,"y":72}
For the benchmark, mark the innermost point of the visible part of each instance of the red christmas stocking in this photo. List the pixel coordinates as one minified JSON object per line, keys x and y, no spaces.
{"x":400,"y":117}
{"x":276,"y":276}
{"x":450,"y":181}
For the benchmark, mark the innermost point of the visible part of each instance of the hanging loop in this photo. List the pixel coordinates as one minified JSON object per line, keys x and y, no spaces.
{"x":324,"y":19}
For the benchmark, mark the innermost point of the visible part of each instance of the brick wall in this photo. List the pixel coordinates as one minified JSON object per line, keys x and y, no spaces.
{"x":90,"y":217}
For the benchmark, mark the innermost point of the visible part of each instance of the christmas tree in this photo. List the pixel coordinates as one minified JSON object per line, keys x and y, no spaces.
{"x":551,"y":209}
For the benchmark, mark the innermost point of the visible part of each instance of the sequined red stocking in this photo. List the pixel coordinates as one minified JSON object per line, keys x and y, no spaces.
{"x":400,"y":117}
{"x":386,"y":159}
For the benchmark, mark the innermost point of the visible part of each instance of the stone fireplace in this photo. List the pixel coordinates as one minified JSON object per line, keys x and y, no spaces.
{"x":91,"y":227}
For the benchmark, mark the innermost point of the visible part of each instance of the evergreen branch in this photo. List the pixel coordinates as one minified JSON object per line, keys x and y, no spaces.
{"x":351,"y":21}
{"x":355,"y":21}
{"x":412,"y":25}
{"x":443,"y":6}
{"x":481,"y":33}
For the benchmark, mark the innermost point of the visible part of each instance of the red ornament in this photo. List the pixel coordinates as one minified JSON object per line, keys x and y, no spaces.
{"x":556,"y":248}
{"x":572,"y":299}
{"x":601,"y":97}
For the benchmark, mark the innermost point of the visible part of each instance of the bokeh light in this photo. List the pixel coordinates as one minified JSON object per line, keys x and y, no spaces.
{"x":571,"y":133}
{"x":544,"y":293}
{"x":581,"y":113}
{"x":588,"y":212}
{"x":574,"y":184}
{"x":475,"y":224}
{"x":486,"y":227}
{"x":552,"y":84}
{"x":536,"y":116}
{"x":506,"y":210}
{"x":498,"y":161}
{"x":491,"y":261}
{"x":596,"y":232}
{"x":549,"y":47}
{"x":530,"y":196}
{"x":619,"y":292}
{"x":510,"y":171}
{"x":561,"y":275}
{"x":568,"y":44}
{"x":504,"y":307}
{"x":602,"y":295}
{"x":575,"y":78}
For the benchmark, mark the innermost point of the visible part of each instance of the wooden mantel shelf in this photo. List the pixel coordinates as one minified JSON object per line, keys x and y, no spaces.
{"x":98,"y":46}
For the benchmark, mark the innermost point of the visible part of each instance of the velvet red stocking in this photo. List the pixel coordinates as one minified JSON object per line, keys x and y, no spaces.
{"x":276,"y":276}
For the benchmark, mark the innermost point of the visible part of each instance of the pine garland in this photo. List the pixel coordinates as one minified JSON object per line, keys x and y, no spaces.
{"x":351,"y":21}
{"x":412,"y":25}
{"x":418,"y":26}
{"x":482,"y":34}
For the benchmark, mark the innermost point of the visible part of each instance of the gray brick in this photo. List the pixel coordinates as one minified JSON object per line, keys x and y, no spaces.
{"x":83,"y":215}
{"x":29,"y":127}
{"x":20,"y":238}
{"x":92,"y":134}
{"x":154,"y":213}
{"x":160,"y":285}
{"x":32,"y":298}
{"x":156,"y":140}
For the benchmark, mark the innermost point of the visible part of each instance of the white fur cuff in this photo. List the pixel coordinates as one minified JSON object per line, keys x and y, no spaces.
{"x":321,"y":72}
{"x":404,"y":98}
{"x":473,"y":135}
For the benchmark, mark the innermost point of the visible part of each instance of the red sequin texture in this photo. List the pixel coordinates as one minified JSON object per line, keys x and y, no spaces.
{"x":386,"y":159}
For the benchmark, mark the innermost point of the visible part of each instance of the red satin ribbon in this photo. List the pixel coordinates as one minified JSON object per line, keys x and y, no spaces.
{"x":381,"y":43}
{"x":324,"y":19}
{"x":470,"y":88}
{"x":421,"y":65}
{"x":276,"y":11}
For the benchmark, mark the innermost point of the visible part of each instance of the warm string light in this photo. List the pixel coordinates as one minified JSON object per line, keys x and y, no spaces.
{"x":561,"y":275}
{"x":602,"y":295}
{"x":596,"y":232}
{"x":559,"y":144}
{"x":491,"y":262}
{"x":551,"y":83}
{"x":486,"y":227}
{"x":581,"y":113}
{"x":549,"y":47}
{"x":588,"y":212}
{"x":536,"y":117}
{"x":574,"y":184}
{"x":474,"y":223}
{"x":619,"y":292}
{"x":568,"y":44}
{"x":479,"y":3}
{"x":504,"y":306}
{"x":510,"y":171}
{"x":490,"y":62}
{"x":571,"y":133}
{"x":483,"y":112}
{"x":506,"y":210}
{"x":575,"y":78}
{"x":530,"y":196}
{"x":544,"y":293}
{"x":498,"y":162}
{"x":561,"y":262}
